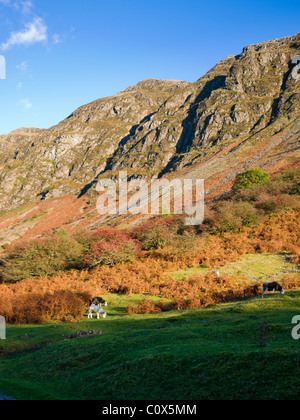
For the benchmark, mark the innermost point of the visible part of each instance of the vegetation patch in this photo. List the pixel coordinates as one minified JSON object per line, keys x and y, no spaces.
{"x":261,"y":267}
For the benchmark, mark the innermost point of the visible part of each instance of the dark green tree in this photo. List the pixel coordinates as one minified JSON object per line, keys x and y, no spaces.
{"x":250,"y":177}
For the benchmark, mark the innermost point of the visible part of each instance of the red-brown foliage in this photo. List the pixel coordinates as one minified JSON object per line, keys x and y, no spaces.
{"x":33,"y":308}
{"x":109,"y":247}
{"x":203,"y":291}
{"x":152,"y":274}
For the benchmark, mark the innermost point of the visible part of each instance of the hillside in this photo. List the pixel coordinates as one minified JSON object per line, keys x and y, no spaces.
{"x":244,"y":112}
{"x":180,"y":298}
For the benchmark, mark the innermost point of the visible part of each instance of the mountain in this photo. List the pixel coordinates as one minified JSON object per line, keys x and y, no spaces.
{"x":244,"y":112}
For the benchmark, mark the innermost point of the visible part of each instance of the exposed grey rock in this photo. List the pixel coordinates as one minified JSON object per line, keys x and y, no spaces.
{"x":156,"y":126}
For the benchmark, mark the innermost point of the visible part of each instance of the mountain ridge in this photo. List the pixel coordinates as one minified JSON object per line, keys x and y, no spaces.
{"x":244,"y":111}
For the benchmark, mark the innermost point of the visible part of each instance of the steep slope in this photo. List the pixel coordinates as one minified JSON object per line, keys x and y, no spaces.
{"x":50,"y":163}
{"x":243,"y":112}
{"x":237,"y":99}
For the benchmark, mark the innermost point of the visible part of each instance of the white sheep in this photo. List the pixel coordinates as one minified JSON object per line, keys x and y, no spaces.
{"x":93,"y":309}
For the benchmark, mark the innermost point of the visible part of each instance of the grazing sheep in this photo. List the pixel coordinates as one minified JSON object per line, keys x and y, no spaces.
{"x":217,"y":273}
{"x":93,"y":309}
{"x":272,"y":287}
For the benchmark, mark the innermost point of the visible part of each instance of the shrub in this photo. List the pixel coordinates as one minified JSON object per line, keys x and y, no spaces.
{"x":292,"y":177}
{"x":110,"y":253}
{"x":109,"y":247}
{"x":233,"y":216}
{"x":37,"y":308}
{"x":109,"y":234}
{"x":276,"y":203}
{"x":201,"y":291}
{"x":40,"y":258}
{"x":250,"y":177}
{"x":158,"y":232}
{"x":145,"y":307}
{"x":250,"y":203}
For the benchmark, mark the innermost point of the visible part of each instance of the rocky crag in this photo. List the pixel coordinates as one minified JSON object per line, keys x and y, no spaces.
{"x":243,"y":112}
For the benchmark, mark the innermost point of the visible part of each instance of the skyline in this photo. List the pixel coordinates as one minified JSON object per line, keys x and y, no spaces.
{"x":59,"y":58}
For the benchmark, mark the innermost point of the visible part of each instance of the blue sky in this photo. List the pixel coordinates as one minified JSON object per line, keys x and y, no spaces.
{"x":63,"y":54}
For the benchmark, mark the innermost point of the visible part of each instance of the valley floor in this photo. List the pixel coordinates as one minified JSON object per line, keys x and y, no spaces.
{"x":241,"y":350}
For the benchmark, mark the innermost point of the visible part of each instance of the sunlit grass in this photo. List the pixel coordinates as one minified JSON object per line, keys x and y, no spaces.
{"x":209,"y":353}
{"x":253,"y":266}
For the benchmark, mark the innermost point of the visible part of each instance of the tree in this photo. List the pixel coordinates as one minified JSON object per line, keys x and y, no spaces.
{"x":250,"y":177}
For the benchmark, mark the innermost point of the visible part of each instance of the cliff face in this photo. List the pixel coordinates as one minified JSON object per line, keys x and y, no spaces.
{"x":63,"y":159}
{"x":157,"y":127}
{"x":238,"y":98}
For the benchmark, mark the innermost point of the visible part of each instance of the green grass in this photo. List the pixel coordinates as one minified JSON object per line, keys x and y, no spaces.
{"x":260,"y":267}
{"x":211,"y":353}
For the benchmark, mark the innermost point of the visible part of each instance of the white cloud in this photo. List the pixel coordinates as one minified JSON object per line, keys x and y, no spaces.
{"x":24,"y":6}
{"x":34,"y":32}
{"x":56,"y":39}
{"x":23,"y":66}
{"x":25,"y":104}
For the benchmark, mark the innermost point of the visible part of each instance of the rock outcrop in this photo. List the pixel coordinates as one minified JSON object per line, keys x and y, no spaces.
{"x":160,"y":126}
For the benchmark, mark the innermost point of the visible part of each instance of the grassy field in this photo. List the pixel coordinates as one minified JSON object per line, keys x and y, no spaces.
{"x":261,"y":267}
{"x":221,"y":352}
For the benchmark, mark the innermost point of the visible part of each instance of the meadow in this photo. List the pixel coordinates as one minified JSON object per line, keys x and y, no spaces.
{"x":230,"y":351}
{"x":175,"y":329}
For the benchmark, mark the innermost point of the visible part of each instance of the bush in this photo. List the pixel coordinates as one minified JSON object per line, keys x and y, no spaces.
{"x":145,"y":307}
{"x":158,"y":233}
{"x":250,"y":177}
{"x":40,"y":258}
{"x":232,"y":216}
{"x":292,"y":176}
{"x":110,"y":253}
{"x":109,"y":247}
{"x":201,"y":291}
{"x":37,"y":308}
{"x":109,"y":234}
{"x":276,"y":203}
{"x":253,"y":199}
